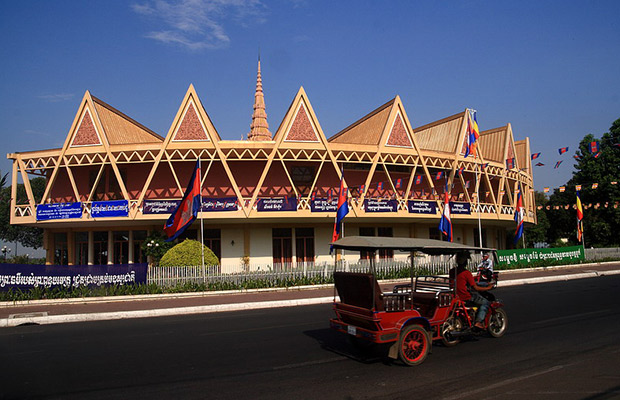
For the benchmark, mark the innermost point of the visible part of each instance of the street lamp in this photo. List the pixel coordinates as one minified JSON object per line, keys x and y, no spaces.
{"x":5,"y":250}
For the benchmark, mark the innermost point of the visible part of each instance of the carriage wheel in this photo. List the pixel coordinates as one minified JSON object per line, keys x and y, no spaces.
{"x":413,"y":345}
{"x":498,"y":322}
{"x":452,"y":324}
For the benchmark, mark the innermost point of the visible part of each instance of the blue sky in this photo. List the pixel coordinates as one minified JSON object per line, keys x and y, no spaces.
{"x":550,"y":68}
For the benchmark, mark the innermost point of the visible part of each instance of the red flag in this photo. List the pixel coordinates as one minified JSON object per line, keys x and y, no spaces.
{"x":187,"y":210}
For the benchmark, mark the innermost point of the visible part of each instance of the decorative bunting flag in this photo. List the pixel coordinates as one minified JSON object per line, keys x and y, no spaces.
{"x":399,"y":182}
{"x":418,"y":179}
{"x":557,"y":164}
{"x":546,"y":190}
{"x":510,"y":163}
{"x":467,"y":184}
{"x":576,"y":157}
{"x":439,"y":175}
{"x":535,"y":156}
{"x":459,"y":171}
{"x":380,"y":186}
{"x":539,"y":164}
{"x":593,"y":147}
{"x":313,"y":195}
{"x":597,"y":155}
{"x":614,"y":183}
{"x":461,"y":195}
{"x":362,"y":189}
{"x":616,"y":144}
{"x":329,"y":195}
{"x":562,"y":189}
{"x":578,"y":187}
{"x":594,"y":185}
{"x":562,"y":150}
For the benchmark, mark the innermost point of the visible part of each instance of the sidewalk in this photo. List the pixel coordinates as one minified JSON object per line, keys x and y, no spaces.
{"x":123,"y":307}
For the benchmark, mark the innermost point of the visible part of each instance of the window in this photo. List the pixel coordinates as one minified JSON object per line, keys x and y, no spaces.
{"x":213,"y":240}
{"x":121,"y":247}
{"x":304,"y":245}
{"x":60,"y":249}
{"x":138,"y":238}
{"x":100,"y":244}
{"x":81,"y":248}
{"x":385,"y":232}
{"x":434,"y":233}
{"x":282,"y":247}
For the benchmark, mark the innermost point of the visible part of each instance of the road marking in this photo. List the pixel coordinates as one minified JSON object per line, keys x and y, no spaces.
{"x":307,"y":363}
{"x":572,"y":316}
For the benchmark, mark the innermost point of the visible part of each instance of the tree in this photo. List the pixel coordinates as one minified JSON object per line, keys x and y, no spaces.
{"x":602,"y":222}
{"x":188,"y":254}
{"x":538,"y":233}
{"x":26,"y":235}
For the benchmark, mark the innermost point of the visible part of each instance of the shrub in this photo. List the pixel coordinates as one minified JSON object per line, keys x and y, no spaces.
{"x":187,"y":254}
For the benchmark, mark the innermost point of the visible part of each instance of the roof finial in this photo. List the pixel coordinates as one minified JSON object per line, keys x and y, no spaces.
{"x":259,"y":128}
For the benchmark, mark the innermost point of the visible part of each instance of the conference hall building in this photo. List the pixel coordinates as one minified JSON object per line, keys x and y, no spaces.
{"x":269,"y":201}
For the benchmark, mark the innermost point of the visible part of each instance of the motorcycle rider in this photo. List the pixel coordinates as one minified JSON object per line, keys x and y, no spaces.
{"x":485,"y":270}
{"x":467,"y":289}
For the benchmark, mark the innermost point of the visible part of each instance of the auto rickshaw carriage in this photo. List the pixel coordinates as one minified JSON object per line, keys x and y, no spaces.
{"x":412,"y":315}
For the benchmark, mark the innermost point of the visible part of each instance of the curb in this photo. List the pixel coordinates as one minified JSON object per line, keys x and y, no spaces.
{"x":108,"y":316}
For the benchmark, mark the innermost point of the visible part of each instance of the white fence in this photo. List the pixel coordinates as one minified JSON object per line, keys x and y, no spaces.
{"x":289,"y":274}
{"x":603,"y":253}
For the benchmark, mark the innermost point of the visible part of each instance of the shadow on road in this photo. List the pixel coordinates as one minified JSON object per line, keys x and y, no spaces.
{"x":348,"y":346}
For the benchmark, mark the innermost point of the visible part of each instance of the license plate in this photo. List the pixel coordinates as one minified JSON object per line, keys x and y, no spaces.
{"x":351,"y":330}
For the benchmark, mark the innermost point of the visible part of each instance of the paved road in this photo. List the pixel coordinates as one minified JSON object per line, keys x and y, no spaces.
{"x":562,"y":343}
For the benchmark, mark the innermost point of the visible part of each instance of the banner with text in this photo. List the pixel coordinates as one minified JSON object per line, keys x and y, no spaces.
{"x":277,"y":204}
{"x":460,"y":208}
{"x":59,"y":211}
{"x":422,"y":207}
{"x":114,"y":208}
{"x":323,"y":205}
{"x":379,"y":205}
{"x":528,"y":256}
{"x":28,"y":276}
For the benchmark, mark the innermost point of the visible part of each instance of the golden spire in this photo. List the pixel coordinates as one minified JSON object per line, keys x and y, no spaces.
{"x":259,"y":128}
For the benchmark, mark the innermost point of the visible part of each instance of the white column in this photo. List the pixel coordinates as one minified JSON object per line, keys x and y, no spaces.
{"x":110,"y":247}
{"x":130,"y":250}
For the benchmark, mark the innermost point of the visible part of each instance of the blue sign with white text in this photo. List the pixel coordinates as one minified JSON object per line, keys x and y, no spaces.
{"x":113,"y":208}
{"x":59,"y":211}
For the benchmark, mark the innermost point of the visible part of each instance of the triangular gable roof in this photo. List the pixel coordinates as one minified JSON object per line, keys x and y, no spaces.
{"x":399,"y":135}
{"x":443,"y":135}
{"x":493,"y":143}
{"x":524,"y":161}
{"x":511,"y":150}
{"x":192,"y":123}
{"x":85,"y":133}
{"x":368,"y":129}
{"x":300,"y":125}
{"x":121,"y":129}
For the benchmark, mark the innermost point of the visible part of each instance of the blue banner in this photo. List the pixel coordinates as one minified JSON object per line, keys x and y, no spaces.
{"x":379,"y":205}
{"x":28,"y":276}
{"x":159,"y":206}
{"x":113,"y":208}
{"x":460,"y":208}
{"x":219,"y":204}
{"x":324,"y":205}
{"x":59,"y":211}
{"x":422,"y":207}
{"x":277,"y":204}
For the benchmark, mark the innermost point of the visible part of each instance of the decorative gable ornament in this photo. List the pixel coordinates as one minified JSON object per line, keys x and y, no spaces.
{"x":191,"y":127}
{"x":302,"y":129}
{"x":86,"y":133}
{"x":398,"y":136}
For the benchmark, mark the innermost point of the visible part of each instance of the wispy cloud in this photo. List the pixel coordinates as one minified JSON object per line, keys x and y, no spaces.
{"x":54,"y":98}
{"x":199,"y":24}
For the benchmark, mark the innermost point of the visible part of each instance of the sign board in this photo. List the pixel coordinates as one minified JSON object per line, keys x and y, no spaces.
{"x":277,"y":204}
{"x":323,"y":205}
{"x":159,"y":206}
{"x":528,"y":256}
{"x":422,"y":207}
{"x":380,"y":205}
{"x":47,"y":212}
{"x":114,"y":208}
{"x":219,"y":204}
{"x":28,"y":276}
{"x":460,"y":208}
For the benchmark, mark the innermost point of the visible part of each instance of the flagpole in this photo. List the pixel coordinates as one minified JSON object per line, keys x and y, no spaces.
{"x":202,"y":227}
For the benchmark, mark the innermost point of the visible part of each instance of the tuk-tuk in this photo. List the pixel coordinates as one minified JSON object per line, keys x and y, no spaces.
{"x":412,"y":315}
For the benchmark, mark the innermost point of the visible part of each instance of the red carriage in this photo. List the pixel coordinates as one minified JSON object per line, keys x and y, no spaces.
{"x":412,"y":315}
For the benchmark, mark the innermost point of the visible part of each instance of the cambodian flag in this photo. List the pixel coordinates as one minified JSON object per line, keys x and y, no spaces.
{"x":519,"y":217}
{"x":418,"y":179}
{"x":557,"y":165}
{"x":399,"y":183}
{"x":187,"y":211}
{"x":593,"y":147}
{"x":472,"y":134}
{"x":510,"y":163}
{"x":579,"y":218}
{"x":341,"y":211}
{"x":380,"y":186}
{"x":562,"y":150}
{"x":445,"y":223}
{"x":439,"y":175}
{"x":535,"y":156}
{"x":539,"y":164}
{"x":459,"y":171}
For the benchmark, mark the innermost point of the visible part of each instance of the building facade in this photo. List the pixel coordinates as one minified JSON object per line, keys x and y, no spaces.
{"x":271,"y":199}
